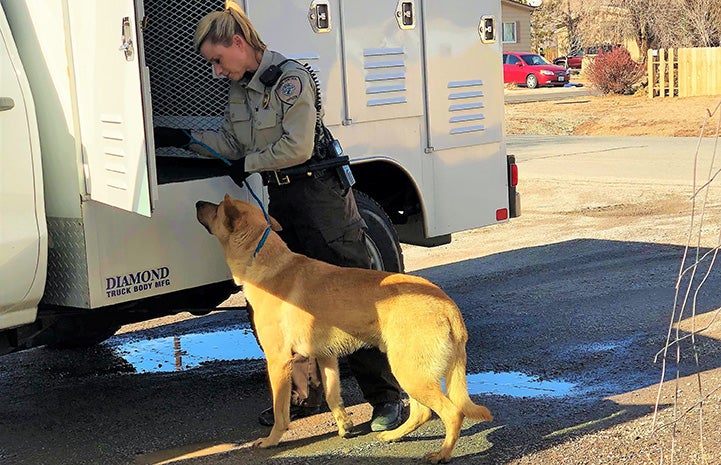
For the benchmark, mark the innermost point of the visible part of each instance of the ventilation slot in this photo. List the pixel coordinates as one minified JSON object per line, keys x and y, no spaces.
{"x":385,"y":76}
{"x":466,"y":105}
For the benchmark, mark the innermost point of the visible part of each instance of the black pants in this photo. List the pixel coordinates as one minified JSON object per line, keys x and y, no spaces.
{"x":320,"y":219}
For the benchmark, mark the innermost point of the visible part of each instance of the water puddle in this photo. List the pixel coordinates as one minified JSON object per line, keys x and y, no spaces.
{"x":178,"y":353}
{"x":516,"y":385}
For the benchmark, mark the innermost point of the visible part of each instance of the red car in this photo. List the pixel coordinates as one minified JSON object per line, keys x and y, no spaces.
{"x":532,"y":70}
{"x":575,"y":60}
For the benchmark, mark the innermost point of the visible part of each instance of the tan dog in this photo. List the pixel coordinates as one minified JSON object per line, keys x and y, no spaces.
{"x":316,"y":309}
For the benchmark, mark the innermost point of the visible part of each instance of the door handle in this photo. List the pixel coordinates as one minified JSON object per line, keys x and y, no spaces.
{"x":406,"y":15}
{"x":6,"y":103}
{"x":126,"y":39}
{"x":319,"y":16}
{"x":487,"y":29}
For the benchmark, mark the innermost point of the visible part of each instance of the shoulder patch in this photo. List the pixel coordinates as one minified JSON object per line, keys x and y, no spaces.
{"x":288,"y":89}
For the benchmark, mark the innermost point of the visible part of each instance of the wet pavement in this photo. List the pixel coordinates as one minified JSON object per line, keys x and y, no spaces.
{"x":187,"y":351}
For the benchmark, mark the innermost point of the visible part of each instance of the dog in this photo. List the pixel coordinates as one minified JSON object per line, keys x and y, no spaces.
{"x":315,"y":309}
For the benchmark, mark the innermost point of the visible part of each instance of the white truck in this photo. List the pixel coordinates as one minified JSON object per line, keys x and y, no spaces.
{"x":98,"y":229}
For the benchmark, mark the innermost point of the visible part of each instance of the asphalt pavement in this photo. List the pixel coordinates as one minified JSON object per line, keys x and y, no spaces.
{"x":660,"y":160}
{"x":524,"y":95}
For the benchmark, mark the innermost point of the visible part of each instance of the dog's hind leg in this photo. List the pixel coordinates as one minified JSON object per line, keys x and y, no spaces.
{"x":452,"y":419}
{"x":280,"y":386}
{"x":427,"y":391}
{"x":331,"y":383}
{"x":417,"y":415}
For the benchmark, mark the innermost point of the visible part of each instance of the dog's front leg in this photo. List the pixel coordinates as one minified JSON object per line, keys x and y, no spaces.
{"x":331,"y":383}
{"x":280,"y":386}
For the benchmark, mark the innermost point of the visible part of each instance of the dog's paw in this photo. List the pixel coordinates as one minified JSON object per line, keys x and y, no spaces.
{"x":345,"y":430}
{"x":264,"y":443}
{"x":436,"y":457}
{"x":390,"y":436}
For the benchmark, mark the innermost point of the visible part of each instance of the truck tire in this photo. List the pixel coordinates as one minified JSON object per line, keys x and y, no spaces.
{"x":75,"y":333}
{"x":381,"y":237}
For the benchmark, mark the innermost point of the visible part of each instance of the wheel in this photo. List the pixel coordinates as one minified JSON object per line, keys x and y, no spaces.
{"x":531,"y":81}
{"x":381,"y":237}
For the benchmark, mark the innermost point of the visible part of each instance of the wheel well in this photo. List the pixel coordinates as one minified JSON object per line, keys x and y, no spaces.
{"x":391,"y":187}
{"x":394,"y":189}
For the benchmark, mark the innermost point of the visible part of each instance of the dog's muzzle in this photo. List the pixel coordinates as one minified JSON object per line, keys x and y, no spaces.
{"x":201,"y":207}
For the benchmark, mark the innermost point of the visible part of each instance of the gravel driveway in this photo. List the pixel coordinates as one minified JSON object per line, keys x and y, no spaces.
{"x":566,"y":307}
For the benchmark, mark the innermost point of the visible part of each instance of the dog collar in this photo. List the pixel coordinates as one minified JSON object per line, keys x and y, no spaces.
{"x":262,"y":241}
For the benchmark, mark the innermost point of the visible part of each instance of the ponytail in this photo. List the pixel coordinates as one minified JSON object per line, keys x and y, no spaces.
{"x":219,"y":27}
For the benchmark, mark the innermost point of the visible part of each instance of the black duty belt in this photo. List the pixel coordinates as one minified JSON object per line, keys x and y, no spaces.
{"x":281,"y":177}
{"x":304,"y":171}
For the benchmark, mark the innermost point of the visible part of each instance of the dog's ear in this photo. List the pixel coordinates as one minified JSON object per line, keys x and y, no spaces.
{"x":274,"y":225}
{"x":232,"y":214}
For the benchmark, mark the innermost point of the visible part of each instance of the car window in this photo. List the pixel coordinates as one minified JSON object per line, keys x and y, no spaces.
{"x":534,"y":60}
{"x":513,"y":59}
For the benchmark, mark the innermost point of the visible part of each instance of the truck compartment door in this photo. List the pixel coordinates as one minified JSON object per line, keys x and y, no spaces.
{"x":382,"y":41}
{"x":107,"y":63}
{"x":464,"y":73}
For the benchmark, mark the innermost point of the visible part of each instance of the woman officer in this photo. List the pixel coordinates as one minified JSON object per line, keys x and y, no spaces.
{"x":270,"y":125}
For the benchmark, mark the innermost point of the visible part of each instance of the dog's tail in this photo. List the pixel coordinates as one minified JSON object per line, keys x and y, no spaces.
{"x":457,"y":387}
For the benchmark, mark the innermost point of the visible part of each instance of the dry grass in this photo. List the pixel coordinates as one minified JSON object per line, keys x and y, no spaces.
{"x":612,"y":115}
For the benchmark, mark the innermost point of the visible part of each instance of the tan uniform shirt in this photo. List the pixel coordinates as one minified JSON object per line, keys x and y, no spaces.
{"x":272,"y":127}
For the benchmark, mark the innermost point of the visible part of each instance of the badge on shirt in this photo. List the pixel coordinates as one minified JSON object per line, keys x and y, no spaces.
{"x":289,"y":89}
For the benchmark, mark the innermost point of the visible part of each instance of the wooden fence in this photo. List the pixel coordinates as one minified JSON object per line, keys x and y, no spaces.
{"x":684,"y":72}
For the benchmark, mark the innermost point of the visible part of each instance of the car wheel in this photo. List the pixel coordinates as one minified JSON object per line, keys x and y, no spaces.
{"x":531,"y":81}
{"x":381,"y":237}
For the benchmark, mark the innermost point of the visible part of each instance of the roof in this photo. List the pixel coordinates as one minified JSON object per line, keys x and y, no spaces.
{"x":516,"y":3}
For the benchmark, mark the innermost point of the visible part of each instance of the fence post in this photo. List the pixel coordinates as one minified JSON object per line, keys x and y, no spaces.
{"x":651,"y":77}
{"x":671,"y":73}
{"x":662,"y":72}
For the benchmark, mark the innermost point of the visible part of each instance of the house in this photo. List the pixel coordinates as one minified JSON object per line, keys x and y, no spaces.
{"x":515,"y":30}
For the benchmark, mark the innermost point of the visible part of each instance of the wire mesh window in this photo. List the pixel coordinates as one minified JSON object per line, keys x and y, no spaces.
{"x":184,"y":92}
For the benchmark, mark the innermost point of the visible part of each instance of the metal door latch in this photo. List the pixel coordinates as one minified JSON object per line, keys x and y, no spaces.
{"x":406,"y":15}
{"x":487,"y":29}
{"x":126,"y":38}
{"x":319,"y":16}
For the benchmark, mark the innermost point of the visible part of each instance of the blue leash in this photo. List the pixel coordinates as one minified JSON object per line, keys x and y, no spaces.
{"x":212,"y":151}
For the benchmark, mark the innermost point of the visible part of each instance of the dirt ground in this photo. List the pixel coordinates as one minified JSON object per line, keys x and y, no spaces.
{"x":613,"y":115}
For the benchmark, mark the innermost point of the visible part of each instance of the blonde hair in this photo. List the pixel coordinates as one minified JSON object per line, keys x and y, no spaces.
{"x":219,"y":27}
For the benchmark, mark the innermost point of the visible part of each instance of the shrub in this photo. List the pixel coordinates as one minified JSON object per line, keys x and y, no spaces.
{"x":614,"y":72}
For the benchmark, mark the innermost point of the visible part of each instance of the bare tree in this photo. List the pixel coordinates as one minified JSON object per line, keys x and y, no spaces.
{"x":703,"y":22}
{"x":651,"y":23}
{"x":555,"y":15}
